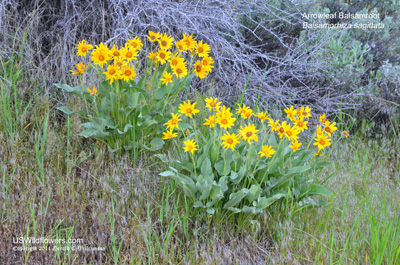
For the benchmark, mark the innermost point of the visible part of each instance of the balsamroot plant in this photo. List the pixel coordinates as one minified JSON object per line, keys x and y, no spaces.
{"x":123,"y":108}
{"x":244,"y":162}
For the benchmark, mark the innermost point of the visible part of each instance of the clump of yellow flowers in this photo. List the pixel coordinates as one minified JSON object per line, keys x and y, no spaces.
{"x":119,"y":62}
{"x":127,"y":99}
{"x":296,"y":122}
{"x":243,"y":160}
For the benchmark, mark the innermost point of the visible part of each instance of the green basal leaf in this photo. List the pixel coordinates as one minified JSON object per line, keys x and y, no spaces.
{"x":66,"y":110}
{"x":184,"y":126}
{"x":204,"y":184}
{"x":163,"y":91}
{"x":134,"y":99}
{"x":78,"y":90}
{"x":157,"y":143}
{"x":146,"y":123}
{"x":142,"y":81}
{"x":187,"y":184}
{"x":206,"y":169}
{"x":263,"y":202}
{"x":236,"y":198}
{"x":254,"y":192}
{"x":316,"y":189}
{"x":236,"y":177}
{"x":126,"y":128}
{"x":210,"y":210}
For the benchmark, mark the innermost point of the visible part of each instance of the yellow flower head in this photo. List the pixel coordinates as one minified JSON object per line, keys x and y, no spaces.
{"x":120,"y":62}
{"x":345,"y":134}
{"x":112,"y":73}
{"x":163,"y":56}
{"x":207,"y":62}
{"x":176,"y":59}
{"x":190,"y":42}
{"x":263,"y":116}
{"x":224,"y":118}
{"x":267,"y":151}
{"x":102,"y":47}
{"x":129,"y":53}
{"x":242,"y":110}
{"x":274,"y":125}
{"x":322,"y":141}
{"x":298,"y":113}
{"x":100,"y":57}
{"x":295,"y":145}
{"x":199,"y":70}
{"x":169,"y":135}
{"x":319,"y":130}
{"x":290,"y":112}
{"x":329,"y":128}
{"x":167,"y":78}
{"x":190,"y":145}
{"x":323,"y":119}
{"x":83,"y":48}
{"x":281,"y":129}
{"x":128,"y":72}
{"x":188,"y":109}
{"x":247,"y":114}
{"x":210,"y":121}
{"x":165,"y":41}
{"x":181,"y":45}
{"x":212,"y":104}
{"x":153,"y":36}
{"x":202,"y":49}
{"x":173,"y":123}
{"x":180,"y":70}
{"x":93,"y":91}
{"x":249,"y":133}
{"x":230,"y":140}
{"x":115,"y":52}
{"x":153,"y":56}
{"x":305,"y":112}
{"x":301,"y":123}
{"x":291,"y":132}
{"x":135,"y":43}
{"x":80,"y":69}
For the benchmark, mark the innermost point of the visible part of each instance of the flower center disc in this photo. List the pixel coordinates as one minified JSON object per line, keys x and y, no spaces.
{"x":248,"y":134}
{"x":189,"y":110}
{"x":101,"y":58}
{"x":300,"y":124}
{"x":224,"y":121}
{"x":327,"y":129}
{"x":174,"y":62}
{"x":152,"y":37}
{"x":190,"y":147}
{"x":128,"y":72}
{"x":200,"y":49}
{"x":322,"y":142}
{"x":230,"y":141}
{"x":179,"y":71}
{"x":198,"y":68}
{"x":116,"y":53}
{"x":289,"y":133}
{"x":213,"y":104}
{"x":305,"y":113}
{"x":134,"y":45}
{"x":112,"y":71}
{"x":281,"y":130}
{"x":162,"y":55}
{"x":204,"y":62}
{"x":84,"y":49}
{"x":164,"y":43}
